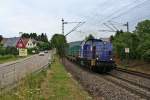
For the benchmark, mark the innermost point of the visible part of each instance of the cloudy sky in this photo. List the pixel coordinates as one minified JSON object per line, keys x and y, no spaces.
{"x":45,"y":16}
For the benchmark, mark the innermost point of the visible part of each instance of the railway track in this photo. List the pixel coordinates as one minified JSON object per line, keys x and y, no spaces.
{"x":141,"y":80}
{"x":141,"y":90}
{"x":128,"y":86}
{"x":135,"y":82}
{"x":109,"y":86}
{"x":140,"y":74}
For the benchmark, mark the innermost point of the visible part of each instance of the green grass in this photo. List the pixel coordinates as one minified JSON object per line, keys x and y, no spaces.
{"x":28,"y":88}
{"x":62,"y":86}
{"x":8,"y":58}
{"x":51,"y":84}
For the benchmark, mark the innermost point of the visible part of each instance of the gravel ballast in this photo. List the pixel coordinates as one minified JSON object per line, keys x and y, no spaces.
{"x":97,"y":86}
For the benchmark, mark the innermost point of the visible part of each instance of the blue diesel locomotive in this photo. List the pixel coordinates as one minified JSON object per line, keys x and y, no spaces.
{"x":96,"y":55}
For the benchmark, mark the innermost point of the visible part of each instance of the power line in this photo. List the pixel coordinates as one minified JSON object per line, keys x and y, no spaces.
{"x":108,"y":27}
{"x":119,"y":10}
{"x":122,"y":8}
{"x":128,"y":10}
{"x":128,"y":5}
{"x":113,"y":25}
{"x":127,"y":25}
{"x":78,"y":25}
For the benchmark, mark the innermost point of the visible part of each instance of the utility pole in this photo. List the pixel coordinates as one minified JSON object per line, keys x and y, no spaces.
{"x":62,"y":26}
{"x":127,"y":27}
{"x":77,"y":26}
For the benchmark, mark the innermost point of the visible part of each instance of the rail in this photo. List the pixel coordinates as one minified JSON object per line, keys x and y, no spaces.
{"x":144,"y":75}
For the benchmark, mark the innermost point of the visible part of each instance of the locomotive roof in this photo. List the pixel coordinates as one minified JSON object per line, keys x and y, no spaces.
{"x":94,"y":40}
{"x":83,"y":42}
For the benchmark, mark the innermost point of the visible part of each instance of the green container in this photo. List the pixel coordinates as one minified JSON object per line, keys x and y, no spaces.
{"x":74,"y":51}
{"x":74,"y":48}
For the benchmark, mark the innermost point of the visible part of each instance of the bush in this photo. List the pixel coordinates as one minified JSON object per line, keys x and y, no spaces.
{"x":30,"y":50}
{"x":2,"y":51}
{"x":11,"y":50}
{"x":8,"y":51}
{"x":6,"y":57}
{"x":146,"y":55}
{"x":43,"y":46}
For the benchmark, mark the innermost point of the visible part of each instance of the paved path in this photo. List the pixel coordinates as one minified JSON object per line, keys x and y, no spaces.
{"x":13,"y":71}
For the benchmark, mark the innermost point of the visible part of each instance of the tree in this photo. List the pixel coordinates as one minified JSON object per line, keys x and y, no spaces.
{"x":89,"y":37}
{"x":44,"y":46}
{"x":143,"y":27}
{"x":43,"y":37}
{"x":25,"y":35}
{"x":1,"y":38}
{"x":59,"y":42}
{"x":111,"y":38}
{"x":118,"y":32}
{"x":143,"y":33}
{"x":138,"y":42}
{"x":33,"y":36}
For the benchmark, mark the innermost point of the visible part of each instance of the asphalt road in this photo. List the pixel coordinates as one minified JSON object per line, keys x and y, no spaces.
{"x":14,"y":71}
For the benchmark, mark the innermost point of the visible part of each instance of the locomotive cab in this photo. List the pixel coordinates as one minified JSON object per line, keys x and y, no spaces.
{"x":97,"y":55}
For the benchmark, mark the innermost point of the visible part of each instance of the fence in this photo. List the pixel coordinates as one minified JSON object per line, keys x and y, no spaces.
{"x":11,"y":73}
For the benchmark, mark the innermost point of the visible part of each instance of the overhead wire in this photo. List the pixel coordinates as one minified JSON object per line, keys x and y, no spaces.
{"x":116,"y":11}
{"x":122,"y":11}
{"x":128,"y":10}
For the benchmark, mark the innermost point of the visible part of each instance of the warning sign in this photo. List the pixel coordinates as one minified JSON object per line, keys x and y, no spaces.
{"x":23,"y":52}
{"x":20,"y":44}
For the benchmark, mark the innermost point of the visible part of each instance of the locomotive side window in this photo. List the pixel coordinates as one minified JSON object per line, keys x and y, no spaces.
{"x":109,"y":52}
{"x":94,"y":52}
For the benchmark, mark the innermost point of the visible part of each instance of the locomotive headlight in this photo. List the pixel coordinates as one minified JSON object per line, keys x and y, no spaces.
{"x":97,"y":58}
{"x":111,"y":59}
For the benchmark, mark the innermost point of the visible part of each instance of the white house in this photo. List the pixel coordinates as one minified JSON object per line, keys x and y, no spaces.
{"x":26,"y":43}
{"x":31,"y":43}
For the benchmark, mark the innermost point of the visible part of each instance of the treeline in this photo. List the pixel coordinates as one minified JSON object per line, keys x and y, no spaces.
{"x":137,"y":41}
{"x":42,"y":44}
{"x":42,"y":37}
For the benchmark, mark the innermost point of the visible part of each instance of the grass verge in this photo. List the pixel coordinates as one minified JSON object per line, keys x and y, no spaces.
{"x":53,"y":83}
{"x":8,"y":58}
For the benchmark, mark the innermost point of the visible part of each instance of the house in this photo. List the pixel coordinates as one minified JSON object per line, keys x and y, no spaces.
{"x":30,"y":43}
{"x":10,"y":42}
{"x":26,"y":43}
